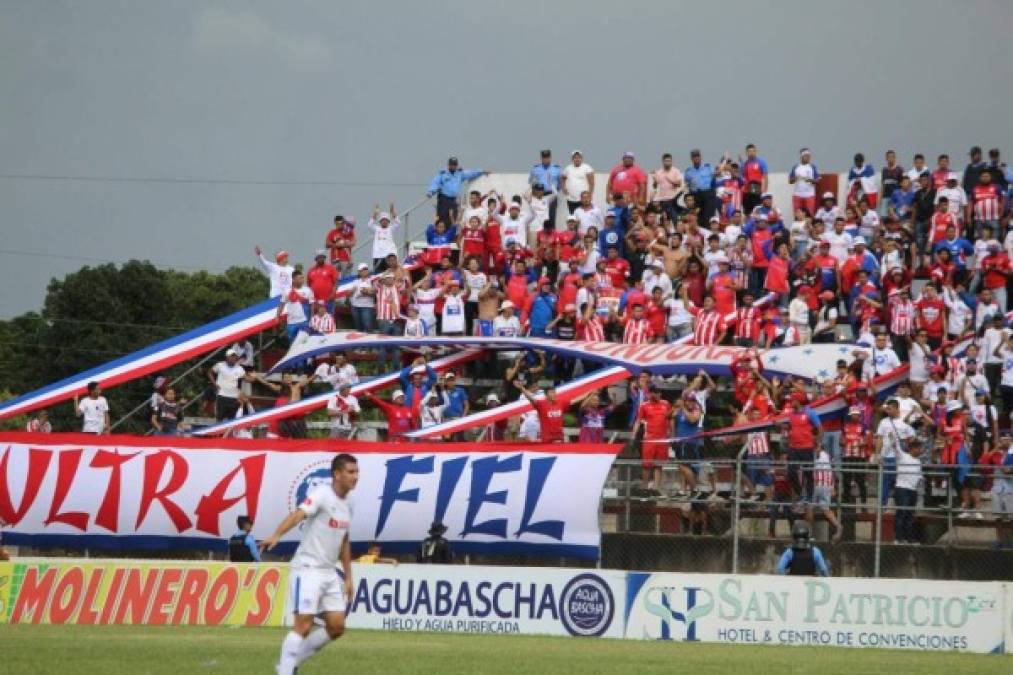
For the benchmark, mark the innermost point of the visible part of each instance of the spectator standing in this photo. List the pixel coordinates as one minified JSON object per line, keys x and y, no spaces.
{"x":321,"y":322}
{"x":166,"y":418}
{"x":892,"y":434}
{"x":242,"y":545}
{"x":400,"y":417}
{"x":986,"y":204}
{"x":388,"y":311}
{"x":363,"y":301}
{"x":39,"y":424}
{"x":547,"y":174}
{"x":342,"y":408}
{"x":550,"y":412}
{"x":278,"y":272}
{"x":94,"y":410}
{"x":909,"y":478}
{"x":754,"y":175}
{"x":340,"y":241}
{"x":322,"y":278}
{"x":435,"y":550}
{"x":626,"y":178}
{"x":862,"y":182}
{"x":890,"y":177}
{"x":383,"y":225}
{"x":225,"y":376}
{"x":294,"y":306}
{"x":668,"y":184}
{"x":803,"y":177}
{"x":576,"y":179}
{"x":447,"y":186}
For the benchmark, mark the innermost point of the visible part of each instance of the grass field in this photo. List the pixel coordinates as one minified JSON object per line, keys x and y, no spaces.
{"x":140,"y":650}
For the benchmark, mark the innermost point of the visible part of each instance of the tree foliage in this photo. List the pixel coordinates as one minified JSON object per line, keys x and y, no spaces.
{"x":98,"y":314}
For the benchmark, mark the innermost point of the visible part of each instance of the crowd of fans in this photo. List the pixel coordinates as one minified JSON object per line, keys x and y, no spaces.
{"x":910,"y":260}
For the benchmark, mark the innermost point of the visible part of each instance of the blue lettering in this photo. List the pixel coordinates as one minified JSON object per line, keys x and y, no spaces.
{"x":381,"y":603}
{"x":444,"y":603}
{"x":463,"y":599}
{"x":361,"y":597}
{"x":538,"y":472}
{"x":482,"y":595}
{"x":505,"y":586}
{"x":397,"y":469}
{"x":521,"y":599}
{"x":482,"y":472}
{"x":422,"y":598}
{"x":450,"y":474}
{"x":548,"y":603}
{"x":409,"y":592}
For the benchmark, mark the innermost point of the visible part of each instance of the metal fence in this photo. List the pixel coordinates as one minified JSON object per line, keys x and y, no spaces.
{"x":729,"y":521}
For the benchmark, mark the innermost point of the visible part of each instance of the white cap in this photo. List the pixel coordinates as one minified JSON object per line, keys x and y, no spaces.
{"x":397,"y":392}
{"x":514,"y":205}
{"x":231,"y":352}
{"x":320,"y":252}
{"x":952,"y":176}
{"x":828,"y":195}
{"x":492,"y":397}
{"x":363,"y":266}
{"x":419,"y":370}
{"x":506,"y":304}
{"x":953,"y":405}
{"x":383,"y":216}
{"x":721,"y":258}
{"x":571,"y":218}
{"x":858,"y":240}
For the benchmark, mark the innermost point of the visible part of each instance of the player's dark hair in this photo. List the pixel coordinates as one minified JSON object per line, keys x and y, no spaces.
{"x":339,"y":462}
{"x":92,"y":386}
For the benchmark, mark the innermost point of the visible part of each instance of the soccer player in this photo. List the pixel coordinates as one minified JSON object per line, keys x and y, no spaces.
{"x":317,"y":588}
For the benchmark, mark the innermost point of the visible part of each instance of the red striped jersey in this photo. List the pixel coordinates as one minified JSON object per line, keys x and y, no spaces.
{"x":637,"y":332}
{"x":855,"y":439}
{"x":322,"y":323}
{"x":591,"y":330}
{"x":902,"y":317}
{"x":388,"y":303}
{"x":757,"y":444}
{"x":823,"y":471}
{"x":987,"y":201}
{"x":708,"y":326}
{"x":747,"y":323}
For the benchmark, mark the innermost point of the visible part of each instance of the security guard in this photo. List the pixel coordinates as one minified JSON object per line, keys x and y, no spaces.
{"x":435,"y":549}
{"x":802,"y":559}
{"x":242,"y":545}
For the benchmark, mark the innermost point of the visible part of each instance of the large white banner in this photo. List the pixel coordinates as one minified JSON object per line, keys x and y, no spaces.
{"x":507,"y":600}
{"x":135,"y":492}
{"x":885,"y":613}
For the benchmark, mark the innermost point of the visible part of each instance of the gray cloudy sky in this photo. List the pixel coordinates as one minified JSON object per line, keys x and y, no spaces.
{"x":373,"y":96}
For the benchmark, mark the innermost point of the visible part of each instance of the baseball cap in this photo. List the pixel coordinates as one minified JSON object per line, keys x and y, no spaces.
{"x":363,"y":266}
{"x":571,"y":218}
{"x":397,"y":393}
{"x":506,"y":304}
{"x":576,"y":152}
{"x":321,"y":253}
{"x":628,"y":154}
{"x":281,"y":254}
{"x":452,"y":160}
{"x":514,"y":205}
{"x":952,"y":176}
{"x":854,"y":410}
{"x":766,"y":195}
{"x":450,"y":376}
{"x":570,"y":308}
{"x":492,"y":398}
{"x":828,"y":195}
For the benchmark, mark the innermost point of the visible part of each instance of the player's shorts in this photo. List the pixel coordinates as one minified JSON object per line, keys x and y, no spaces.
{"x":758,"y":470}
{"x":822,"y":495}
{"x":653,"y":454}
{"x":315,"y":590}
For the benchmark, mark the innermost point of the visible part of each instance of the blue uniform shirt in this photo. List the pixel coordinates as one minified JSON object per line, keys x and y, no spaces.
{"x":699,"y":178}
{"x":448,"y":183}
{"x":456,"y":398}
{"x":788,"y":555}
{"x":251,"y":544}
{"x":546,"y":176}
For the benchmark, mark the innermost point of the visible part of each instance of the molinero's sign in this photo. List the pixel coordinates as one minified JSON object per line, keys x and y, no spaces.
{"x":130,"y":492}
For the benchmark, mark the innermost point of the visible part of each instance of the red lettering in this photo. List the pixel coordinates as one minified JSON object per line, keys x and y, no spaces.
{"x":195,"y":583}
{"x":33,"y":595}
{"x":212,"y":505}
{"x":154,"y":466}
{"x":221,"y":597}
{"x":89,"y":614}
{"x":109,"y":509}
{"x":159,"y":613}
{"x":38,"y":462}
{"x":136,"y":596}
{"x":66,"y":470}
{"x":650,"y":353}
{"x":66,"y":595}
{"x":264,"y":597}
{"x":112,"y":596}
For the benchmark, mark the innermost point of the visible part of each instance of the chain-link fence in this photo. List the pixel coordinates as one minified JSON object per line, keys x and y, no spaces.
{"x":736,"y":515}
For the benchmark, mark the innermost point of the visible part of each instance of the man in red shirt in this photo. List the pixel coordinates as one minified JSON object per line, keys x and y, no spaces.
{"x":618,"y":269}
{"x":655,"y":417}
{"x":400,"y":417}
{"x":995,"y":267}
{"x":341,"y":241}
{"x":626,"y":178}
{"x":322,"y":279}
{"x":930,"y":316}
{"x":550,"y":413}
{"x":804,"y":436}
{"x":723,"y":287}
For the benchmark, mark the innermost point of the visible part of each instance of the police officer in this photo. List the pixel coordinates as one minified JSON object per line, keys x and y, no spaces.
{"x":802,"y":559}
{"x":435,"y":549}
{"x":242,"y":545}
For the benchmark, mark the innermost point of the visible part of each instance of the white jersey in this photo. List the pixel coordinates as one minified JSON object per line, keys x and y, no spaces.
{"x":328,"y":522}
{"x":280,"y":276}
{"x":93,"y":410}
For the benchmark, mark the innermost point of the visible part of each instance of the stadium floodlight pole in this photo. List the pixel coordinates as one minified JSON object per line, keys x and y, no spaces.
{"x":879,"y":519}
{"x":737,"y":509}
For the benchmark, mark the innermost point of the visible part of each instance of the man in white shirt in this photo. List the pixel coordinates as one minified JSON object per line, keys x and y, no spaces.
{"x":588,"y":215}
{"x":881,"y":360}
{"x":506,"y":325}
{"x":226,"y":376}
{"x":892,"y":435}
{"x":340,"y":408}
{"x":992,"y":341}
{"x":513,"y":225}
{"x":956,"y":198}
{"x":384,"y":225}
{"x":803,"y":177}
{"x":839,"y":240}
{"x":316,"y":587}
{"x":294,"y":306}
{"x":655,"y":277}
{"x":972,"y":381}
{"x":336,"y":371}
{"x":279,"y":273}
{"x":94,"y":409}
{"x":909,"y":478}
{"x":576,"y":178}
{"x":667,"y":182}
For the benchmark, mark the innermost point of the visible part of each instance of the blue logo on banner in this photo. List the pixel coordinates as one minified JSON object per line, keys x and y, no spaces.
{"x":586,"y":606}
{"x":321,"y":476}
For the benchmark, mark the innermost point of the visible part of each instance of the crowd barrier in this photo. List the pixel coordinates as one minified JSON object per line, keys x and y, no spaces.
{"x":720,"y":608}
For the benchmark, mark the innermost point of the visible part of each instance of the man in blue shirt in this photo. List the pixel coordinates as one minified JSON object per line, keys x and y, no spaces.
{"x":457,"y":399}
{"x":543,"y":309}
{"x":700,"y":181}
{"x":242,"y":545}
{"x":612,"y":235}
{"x":960,"y":249}
{"x":547,"y":174}
{"x":447,"y":186}
{"x":802,"y":558}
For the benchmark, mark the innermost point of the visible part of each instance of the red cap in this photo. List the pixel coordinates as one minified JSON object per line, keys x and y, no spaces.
{"x":280,"y":254}
{"x":772,"y":217}
{"x":827,"y":295}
